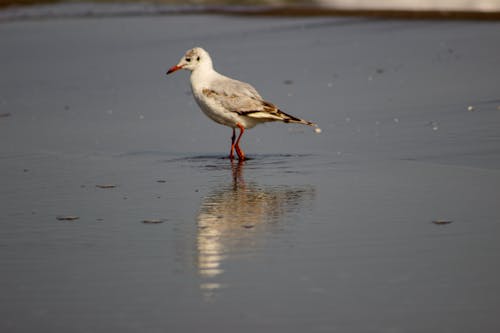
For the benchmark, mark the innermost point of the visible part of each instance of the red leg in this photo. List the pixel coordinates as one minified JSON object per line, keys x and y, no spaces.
{"x":239,"y":151}
{"x":233,"y":137}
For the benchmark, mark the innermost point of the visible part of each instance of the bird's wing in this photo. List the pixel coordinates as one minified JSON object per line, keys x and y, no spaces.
{"x":241,"y":98}
{"x":234,"y":87}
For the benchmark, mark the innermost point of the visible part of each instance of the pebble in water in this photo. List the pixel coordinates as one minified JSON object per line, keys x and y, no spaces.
{"x":105,"y":186}
{"x":67,"y":217}
{"x":442,"y":222}
{"x":153,"y":221}
{"x":434,"y":125}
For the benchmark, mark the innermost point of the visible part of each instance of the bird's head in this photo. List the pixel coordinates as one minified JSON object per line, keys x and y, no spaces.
{"x":193,"y":59}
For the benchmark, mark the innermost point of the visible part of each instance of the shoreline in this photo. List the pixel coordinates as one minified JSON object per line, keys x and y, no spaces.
{"x":111,"y":9}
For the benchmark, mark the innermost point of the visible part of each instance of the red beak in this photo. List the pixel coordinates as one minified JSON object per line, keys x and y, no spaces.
{"x":173,"y":69}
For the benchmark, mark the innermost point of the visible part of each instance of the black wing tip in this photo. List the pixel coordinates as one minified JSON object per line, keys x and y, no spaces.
{"x":293,"y":119}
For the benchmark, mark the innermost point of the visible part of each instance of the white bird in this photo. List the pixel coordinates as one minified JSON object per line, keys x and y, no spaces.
{"x":227,"y":101}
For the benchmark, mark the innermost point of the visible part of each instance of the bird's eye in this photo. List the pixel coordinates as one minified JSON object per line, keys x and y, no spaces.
{"x":198,"y":58}
{"x":188,"y":59}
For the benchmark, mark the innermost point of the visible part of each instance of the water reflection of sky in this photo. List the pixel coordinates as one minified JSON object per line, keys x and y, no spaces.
{"x":235,"y":217}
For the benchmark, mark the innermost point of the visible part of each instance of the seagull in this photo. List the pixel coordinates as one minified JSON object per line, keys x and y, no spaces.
{"x":227,"y":101}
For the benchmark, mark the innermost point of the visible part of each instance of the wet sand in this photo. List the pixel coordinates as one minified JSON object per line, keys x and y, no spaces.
{"x":314,"y":233}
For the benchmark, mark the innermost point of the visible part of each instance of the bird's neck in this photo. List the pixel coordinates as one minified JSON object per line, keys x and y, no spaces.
{"x":202,"y":75}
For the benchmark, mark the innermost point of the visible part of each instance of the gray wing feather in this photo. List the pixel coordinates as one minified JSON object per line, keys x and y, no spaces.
{"x":235,"y":96}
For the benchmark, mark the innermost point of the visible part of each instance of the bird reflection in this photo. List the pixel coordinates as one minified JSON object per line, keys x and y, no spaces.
{"x":234,"y":217}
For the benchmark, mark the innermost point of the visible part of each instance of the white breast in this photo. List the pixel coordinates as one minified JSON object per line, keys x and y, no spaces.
{"x":200,"y":81}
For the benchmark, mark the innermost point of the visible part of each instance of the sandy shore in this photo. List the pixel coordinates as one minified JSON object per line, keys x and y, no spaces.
{"x":314,"y":233}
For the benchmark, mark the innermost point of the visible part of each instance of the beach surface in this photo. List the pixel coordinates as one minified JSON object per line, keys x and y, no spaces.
{"x":121,"y":213}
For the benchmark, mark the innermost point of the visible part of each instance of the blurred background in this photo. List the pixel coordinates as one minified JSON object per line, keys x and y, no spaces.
{"x":400,"y":5}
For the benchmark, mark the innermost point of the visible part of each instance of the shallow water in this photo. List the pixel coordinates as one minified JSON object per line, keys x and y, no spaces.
{"x":291,"y":243}
{"x":330,"y":232}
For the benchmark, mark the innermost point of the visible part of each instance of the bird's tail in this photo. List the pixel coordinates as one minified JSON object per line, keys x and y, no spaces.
{"x":288,"y":118}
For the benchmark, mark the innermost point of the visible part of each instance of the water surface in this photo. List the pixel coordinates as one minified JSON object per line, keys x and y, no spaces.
{"x":313,"y":233}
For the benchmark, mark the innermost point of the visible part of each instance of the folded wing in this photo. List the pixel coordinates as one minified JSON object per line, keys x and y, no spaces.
{"x":243,"y":99}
